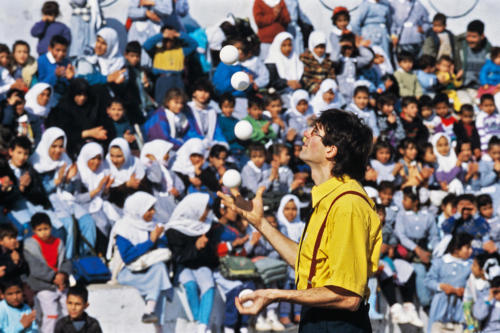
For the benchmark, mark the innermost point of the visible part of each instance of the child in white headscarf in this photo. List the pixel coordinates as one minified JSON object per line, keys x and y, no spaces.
{"x":188,"y":162}
{"x":58,"y":174}
{"x":317,"y":63}
{"x":299,"y":116}
{"x":449,"y":167}
{"x":193,"y":244}
{"x":39,"y":99}
{"x":327,"y":97}
{"x":137,"y":235}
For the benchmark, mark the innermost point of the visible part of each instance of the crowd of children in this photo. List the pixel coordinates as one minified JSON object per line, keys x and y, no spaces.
{"x":122,"y":154}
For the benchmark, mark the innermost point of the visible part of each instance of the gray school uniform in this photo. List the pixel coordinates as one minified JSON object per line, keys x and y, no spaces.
{"x":282,"y":184}
{"x":412,"y":228}
{"x":251,"y":176}
{"x":487,"y":313}
{"x":407,"y":16}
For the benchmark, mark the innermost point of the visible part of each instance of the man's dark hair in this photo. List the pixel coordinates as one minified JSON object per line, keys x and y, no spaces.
{"x":7,"y":230}
{"x":486,"y":97}
{"x":352,"y":138}
{"x":80,"y":291}
{"x":405,"y":55}
{"x":39,"y":219}
{"x":58,"y":39}
{"x":22,"y":142}
{"x":439,"y":18}
{"x":483,"y":200}
{"x":476,"y":26}
{"x":51,"y":8}
{"x":133,"y":47}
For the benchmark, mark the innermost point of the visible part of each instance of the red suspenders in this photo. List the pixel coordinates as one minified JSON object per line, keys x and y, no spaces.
{"x":312,"y":270}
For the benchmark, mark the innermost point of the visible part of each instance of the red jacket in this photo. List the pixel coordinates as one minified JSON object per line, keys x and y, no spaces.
{"x":269,"y":25}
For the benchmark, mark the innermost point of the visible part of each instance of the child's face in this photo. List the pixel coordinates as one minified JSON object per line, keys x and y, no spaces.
{"x":290,"y":211}
{"x":241,"y":54}
{"x":438,"y":27}
{"x":387,"y":109}
{"x":133,"y":58}
{"x":496,"y":293}
{"x":227,"y":108}
{"x":19,"y":107}
{"x":9,"y":242}
{"x":426,"y":112}
{"x":342,"y":22}
{"x":258,"y":158}
{"x":361,"y":100}
{"x":406,"y":65}
{"x":449,"y":209}
{"x":4,"y":59}
{"x":18,"y":156}
{"x":255,"y":112}
{"x":286,"y":47}
{"x":94,"y":163}
{"x":467,"y":117}
{"x":218,"y":161}
{"x":383,"y":155}
{"x":488,"y":106}
{"x":466,"y":151}
{"x":115,"y":111}
{"x":386,"y":196}
{"x":302,"y":106}
{"x":80,"y":99}
{"x":494,"y":153}
{"x":329,"y":96}
{"x":497,"y":61}
{"x":411,"y":110}
{"x":464,"y":252}
{"x":430,"y":69}
{"x":444,"y":66}
{"x":76,"y":306}
{"x":21,"y":54}
{"x":411,"y":152}
{"x":196,"y":159}
{"x":378,"y":59}
{"x":409,"y":204}
{"x":148,"y":216}
{"x":486,"y":211}
{"x":442,"y":146}
{"x":442,"y":109}
{"x":44,"y":97}
{"x":117,"y":157}
{"x":429,"y":156}
{"x":272,"y":221}
{"x":175,"y":105}
{"x":284,"y":157}
{"x":59,"y":52}
{"x":201,"y":96}
{"x":477,"y":270}
{"x":296,"y":150}
{"x":14,"y":296}
{"x":320,"y":50}
{"x":43,"y":231}
{"x":466,"y":209}
{"x":56,"y":149}
{"x":381,"y":216}
{"x":100,"y":47}
{"x":275,"y":107}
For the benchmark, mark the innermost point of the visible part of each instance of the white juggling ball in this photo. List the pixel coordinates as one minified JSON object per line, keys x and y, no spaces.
{"x":243,"y":130}
{"x":229,"y":54}
{"x":231,"y":178}
{"x":240,"y":81}
{"x":244,"y":292}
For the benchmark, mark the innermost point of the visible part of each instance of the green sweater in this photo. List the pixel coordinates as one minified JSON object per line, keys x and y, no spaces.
{"x":258,"y":135}
{"x":408,"y":84}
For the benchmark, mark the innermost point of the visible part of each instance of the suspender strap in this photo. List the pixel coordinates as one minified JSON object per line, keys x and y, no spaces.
{"x":312,"y":271}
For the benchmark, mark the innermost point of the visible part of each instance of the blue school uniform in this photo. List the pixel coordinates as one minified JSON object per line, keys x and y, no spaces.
{"x":487,"y":175}
{"x":428,"y":81}
{"x":477,"y":227}
{"x":227,"y":125}
{"x":453,"y":271}
{"x":10,"y":319}
{"x":47,"y":73}
{"x":367,"y":115}
{"x":407,"y":16}
{"x":200,"y":129}
{"x":222,"y":79}
{"x":372,"y":21}
{"x":488,"y":313}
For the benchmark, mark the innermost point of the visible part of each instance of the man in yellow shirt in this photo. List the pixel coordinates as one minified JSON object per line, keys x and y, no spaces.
{"x":340,"y":246}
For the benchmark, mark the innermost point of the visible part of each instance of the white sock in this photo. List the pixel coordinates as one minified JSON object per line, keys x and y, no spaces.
{"x":243,"y":329}
{"x":150,"y":306}
{"x":228,"y":330}
{"x":202,"y":328}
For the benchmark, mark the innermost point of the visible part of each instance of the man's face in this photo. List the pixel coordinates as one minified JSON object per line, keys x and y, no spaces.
{"x":313,"y":150}
{"x":473,"y":39}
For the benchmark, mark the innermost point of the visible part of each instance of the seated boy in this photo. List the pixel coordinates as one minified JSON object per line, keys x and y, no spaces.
{"x":117,"y":123}
{"x":77,"y":320}
{"x":15,"y":315}
{"x":12,"y":264}
{"x":253,"y":172}
{"x":407,"y":80}
{"x":262,"y":130}
{"x":49,"y":270}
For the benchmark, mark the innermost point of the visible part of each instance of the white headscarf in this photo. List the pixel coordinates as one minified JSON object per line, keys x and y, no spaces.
{"x":132,"y":164}
{"x":41,"y":160}
{"x":318,"y":103}
{"x":294,"y":228}
{"x":272,"y":3}
{"x":182,"y":162}
{"x":289,"y":68}
{"x":448,"y":162}
{"x":88,"y":177}
{"x":187,"y":214}
{"x":317,"y":38}
{"x":31,"y":97}
{"x":132,"y":225}
{"x":158,"y":148}
{"x":386,"y":66}
{"x":112,"y":60}
{"x":297,"y":96}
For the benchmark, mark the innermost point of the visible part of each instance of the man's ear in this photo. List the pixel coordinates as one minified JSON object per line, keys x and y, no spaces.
{"x":331,"y":152}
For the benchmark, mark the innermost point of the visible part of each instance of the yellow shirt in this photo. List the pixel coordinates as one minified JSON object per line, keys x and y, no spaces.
{"x":169,"y":60}
{"x":350,"y":246}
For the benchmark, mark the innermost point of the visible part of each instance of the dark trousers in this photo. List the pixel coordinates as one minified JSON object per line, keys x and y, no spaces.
{"x":316,"y":320}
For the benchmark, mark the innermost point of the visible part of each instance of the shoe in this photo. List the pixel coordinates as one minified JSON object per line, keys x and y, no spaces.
{"x":285,"y":321}
{"x":274,"y":322}
{"x":149,"y":318}
{"x":398,"y":315}
{"x":411,"y":313}
{"x":261,"y":324}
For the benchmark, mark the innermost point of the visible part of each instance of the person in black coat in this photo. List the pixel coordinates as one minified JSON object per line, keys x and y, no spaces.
{"x":465,"y":129}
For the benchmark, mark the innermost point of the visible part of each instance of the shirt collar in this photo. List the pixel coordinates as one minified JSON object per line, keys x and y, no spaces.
{"x":51,"y":58}
{"x":320,"y":191}
{"x":448,"y":259}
